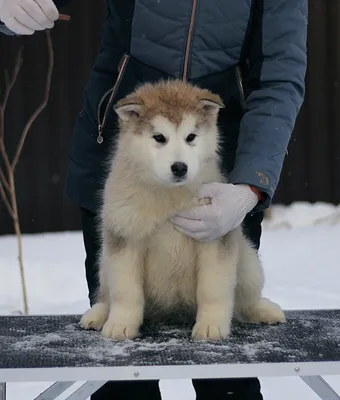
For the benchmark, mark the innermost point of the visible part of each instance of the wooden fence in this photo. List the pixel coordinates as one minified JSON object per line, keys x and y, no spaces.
{"x":312,"y":168}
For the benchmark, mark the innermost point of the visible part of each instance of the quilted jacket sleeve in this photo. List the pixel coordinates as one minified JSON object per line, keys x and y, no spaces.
{"x":274,"y":92}
{"x":5,"y":30}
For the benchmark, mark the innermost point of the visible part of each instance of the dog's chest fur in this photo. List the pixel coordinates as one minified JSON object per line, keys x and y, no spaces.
{"x":170,"y":269}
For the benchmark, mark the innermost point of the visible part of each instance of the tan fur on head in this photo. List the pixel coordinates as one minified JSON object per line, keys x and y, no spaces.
{"x":170,"y":99}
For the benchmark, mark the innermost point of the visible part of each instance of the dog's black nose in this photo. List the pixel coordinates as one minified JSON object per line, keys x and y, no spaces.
{"x":179,"y":169}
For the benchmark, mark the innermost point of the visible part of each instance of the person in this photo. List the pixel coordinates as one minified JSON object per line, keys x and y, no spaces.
{"x":251,"y":52}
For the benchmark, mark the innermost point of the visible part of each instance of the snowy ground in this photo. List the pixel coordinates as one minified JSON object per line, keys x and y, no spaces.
{"x":300,"y":251}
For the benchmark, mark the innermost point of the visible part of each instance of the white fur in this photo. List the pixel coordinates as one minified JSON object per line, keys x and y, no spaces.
{"x":146,"y":265}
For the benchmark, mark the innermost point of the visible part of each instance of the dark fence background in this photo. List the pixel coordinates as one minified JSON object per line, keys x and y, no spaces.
{"x":312,"y":168}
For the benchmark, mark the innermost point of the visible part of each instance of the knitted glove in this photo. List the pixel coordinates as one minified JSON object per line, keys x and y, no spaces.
{"x":229,"y":205}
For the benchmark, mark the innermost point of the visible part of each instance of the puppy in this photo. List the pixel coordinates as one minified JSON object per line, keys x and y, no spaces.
{"x":167,"y":147}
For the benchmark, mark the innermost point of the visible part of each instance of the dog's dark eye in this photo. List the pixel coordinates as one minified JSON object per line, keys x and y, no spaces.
{"x":190,"y":138}
{"x":160,"y":138}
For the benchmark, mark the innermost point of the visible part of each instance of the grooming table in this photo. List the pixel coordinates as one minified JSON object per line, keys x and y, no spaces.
{"x":55,"y":348}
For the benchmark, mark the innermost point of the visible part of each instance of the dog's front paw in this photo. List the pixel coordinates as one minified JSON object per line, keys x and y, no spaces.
{"x":119,"y":331}
{"x":95,"y":317}
{"x":210,"y":331}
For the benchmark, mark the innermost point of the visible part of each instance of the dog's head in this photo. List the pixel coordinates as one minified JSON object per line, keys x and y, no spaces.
{"x":169,"y":131}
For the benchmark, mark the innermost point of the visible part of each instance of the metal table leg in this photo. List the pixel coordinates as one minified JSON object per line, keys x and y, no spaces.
{"x":320,"y":387}
{"x":54,"y":391}
{"x":86,"y":390}
{"x":2,"y":390}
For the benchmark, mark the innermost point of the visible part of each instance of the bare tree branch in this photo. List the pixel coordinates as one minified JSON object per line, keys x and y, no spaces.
{"x":9,"y":83}
{"x":7,"y":181}
{"x":42,"y":105}
{"x":3,"y":152}
{"x":5,"y":200}
{"x":4,"y":182}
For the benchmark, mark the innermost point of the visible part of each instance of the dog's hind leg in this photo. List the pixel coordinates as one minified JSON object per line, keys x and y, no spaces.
{"x":126,"y":293}
{"x":265,"y":311}
{"x":249,"y":305}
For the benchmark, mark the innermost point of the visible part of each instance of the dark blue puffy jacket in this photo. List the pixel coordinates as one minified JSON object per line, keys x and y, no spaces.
{"x":251,"y":52}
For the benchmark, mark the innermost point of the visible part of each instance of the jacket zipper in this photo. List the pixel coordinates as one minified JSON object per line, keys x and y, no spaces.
{"x":189,"y":38}
{"x":240,"y":83}
{"x":113,"y":90}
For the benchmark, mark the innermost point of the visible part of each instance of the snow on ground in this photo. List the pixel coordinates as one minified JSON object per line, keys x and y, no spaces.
{"x":301,"y":255}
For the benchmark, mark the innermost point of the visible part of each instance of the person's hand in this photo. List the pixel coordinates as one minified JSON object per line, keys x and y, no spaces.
{"x":229,"y":205}
{"x":24,"y":17}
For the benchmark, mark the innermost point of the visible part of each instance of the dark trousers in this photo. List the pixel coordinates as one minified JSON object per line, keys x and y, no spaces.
{"x":216,"y":389}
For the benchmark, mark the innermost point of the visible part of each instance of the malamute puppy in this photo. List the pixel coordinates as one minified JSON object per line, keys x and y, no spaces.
{"x":167,"y":147}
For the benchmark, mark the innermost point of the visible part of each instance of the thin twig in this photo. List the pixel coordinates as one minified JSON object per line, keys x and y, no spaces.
{"x":4,"y":155}
{"x":6,"y":202}
{"x":42,"y":105}
{"x":8,"y":183}
{"x":4,"y":182}
{"x":19,"y":239}
{"x":11,"y":81}
{"x":64,"y":17}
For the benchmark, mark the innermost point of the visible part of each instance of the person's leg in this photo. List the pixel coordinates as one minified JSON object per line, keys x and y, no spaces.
{"x":228,"y":389}
{"x":92,"y":248}
{"x":252,"y":228}
{"x":241,"y":388}
{"x":128,"y":390}
{"x":120,"y":390}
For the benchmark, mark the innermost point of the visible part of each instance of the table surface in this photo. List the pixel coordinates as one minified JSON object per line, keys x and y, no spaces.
{"x":58,"y":341}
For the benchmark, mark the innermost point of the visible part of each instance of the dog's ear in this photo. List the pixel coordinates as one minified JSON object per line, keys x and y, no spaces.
{"x":212,"y":103}
{"x":128,"y":108}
